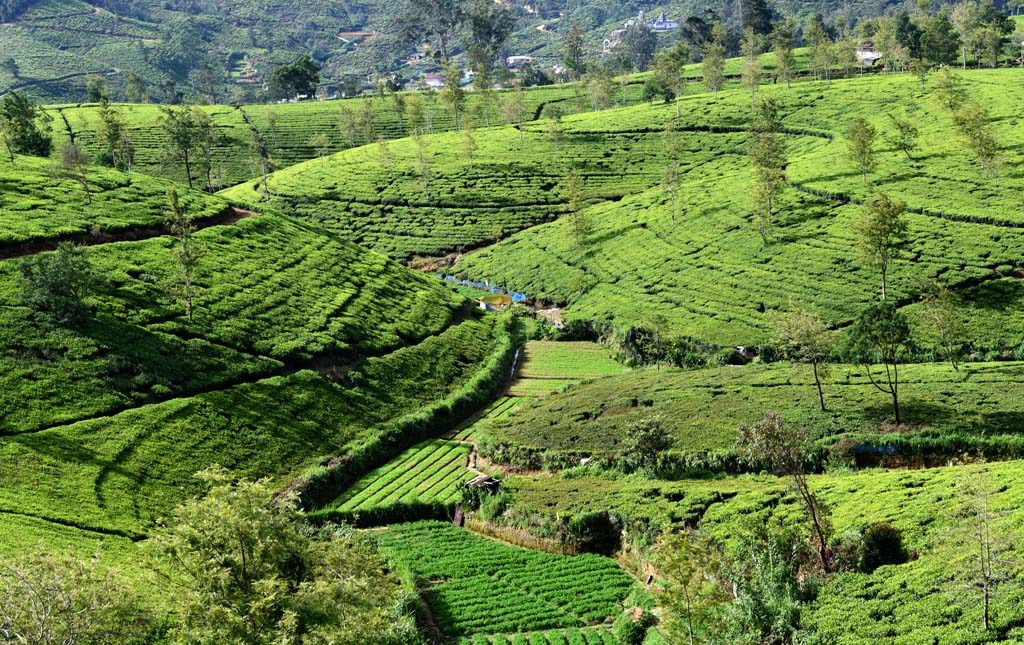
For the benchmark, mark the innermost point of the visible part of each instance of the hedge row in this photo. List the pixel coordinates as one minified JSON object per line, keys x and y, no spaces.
{"x":394,"y":513}
{"x":321,"y":486}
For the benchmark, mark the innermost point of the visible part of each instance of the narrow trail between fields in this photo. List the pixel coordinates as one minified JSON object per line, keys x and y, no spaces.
{"x":230,"y":216}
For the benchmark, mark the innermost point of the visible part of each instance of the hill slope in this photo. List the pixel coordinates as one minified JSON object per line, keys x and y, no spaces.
{"x":303,"y":346}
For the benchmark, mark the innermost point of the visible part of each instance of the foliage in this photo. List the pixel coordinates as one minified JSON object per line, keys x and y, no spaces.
{"x":25,"y":126}
{"x":253,"y":574}
{"x":55,"y":285}
{"x":643,"y":443}
{"x":881,"y":232}
{"x":881,"y":545}
{"x":47,"y":598}
{"x":298,"y":78}
{"x":881,"y":335}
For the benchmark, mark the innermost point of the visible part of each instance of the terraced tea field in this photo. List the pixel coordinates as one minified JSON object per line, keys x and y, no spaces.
{"x":913,"y":602}
{"x":289,"y":129}
{"x":551,"y":366}
{"x":430,"y":471}
{"x":478,"y":586}
{"x":977,"y":409}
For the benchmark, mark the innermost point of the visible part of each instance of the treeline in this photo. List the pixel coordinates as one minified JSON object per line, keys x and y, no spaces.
{"x":10,"y":9}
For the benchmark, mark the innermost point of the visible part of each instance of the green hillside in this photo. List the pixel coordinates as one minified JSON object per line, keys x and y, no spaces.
{"x":920,"y":601}
{"x":289,"y":129}
{"x":974,"y":410}
{"x":302,"y":347}
{"x":710,"y":274}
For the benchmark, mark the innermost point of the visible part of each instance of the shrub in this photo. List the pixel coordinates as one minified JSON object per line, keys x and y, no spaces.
{"x":630,"y":628}
{"x":54,"y":285}
{"x":596,"y":532}
{"x":882,"y":545}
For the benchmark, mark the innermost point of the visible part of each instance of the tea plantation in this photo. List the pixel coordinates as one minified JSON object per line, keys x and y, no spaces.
{"x":976,"y":409}
{"x":708,"y":272}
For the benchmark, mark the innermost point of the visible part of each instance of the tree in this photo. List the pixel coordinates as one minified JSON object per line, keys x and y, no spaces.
{"x":469,"y":140}
{"x":881,"y":335}
{"x":253,"y":574}
{"x":96,"y":89}
{"x":490,"y":25}
{"x":299,"y":78}
{"x":965,"y":18}
{"x":422,"y":162}
{"x":908,"y":34}
{"x":941,"y":317}
{"x":767,"y":151}
{"x":452,"y":94}
{"x":600,"y":88}
{"x":553,"y":112}
{"x":638,"y":45}
{"x":115,"y":136}
{"x":135,"y":88}
{"x":757,"y":17}
{"x":782,"y":45}
{"x":903,"y":136}
{"x":860,"y":146}
{"x":190,"y":134}
{"x":74,"y":164}
{"x":187,"y":253}
{"x":578,"y":219}
{"x":47,"y":598}
{"x":881,"y":231}
{"x":668,"y":72}
{"x":784,"y":449}
{"x":981,"y":546}
{"x":939,"y":42}
{"x":644,"y":441}
{"x":763,"y":567}
{"x":816,"y":34}
{"x":846,"y":55}
{"x":713,"y":65}
{"x":10,"y":66}
{"x":750,"y":73}
{"x":261,"y":160}
{"x":805,"y":338}
{"x":688,"y":591}
{"x":55,"y":285}
{"x":25,"y":126}
{"x":573,"y":56}
{"x":670,"y":183}
{"x":949,"y":90}
{"x":972,"y":121}
{"x":512,"y":108}
{"x":322,"y":144}
{"x":436,"y":19}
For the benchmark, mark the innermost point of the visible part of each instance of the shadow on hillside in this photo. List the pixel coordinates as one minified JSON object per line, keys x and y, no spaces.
{"x":912,"y":412}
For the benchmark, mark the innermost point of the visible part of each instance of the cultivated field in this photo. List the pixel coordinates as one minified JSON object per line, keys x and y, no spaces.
{"x":477,"y":586}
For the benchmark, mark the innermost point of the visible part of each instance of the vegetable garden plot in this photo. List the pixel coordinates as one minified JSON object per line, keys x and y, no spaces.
{"x":428,"y":472}
{"x":476,"y":585}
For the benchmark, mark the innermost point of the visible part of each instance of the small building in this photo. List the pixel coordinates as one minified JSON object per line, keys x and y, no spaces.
{"x":661,"y":23}
{"x":433,"y":80}
{"x":498,"y":302}
{"x":486,"y":483}
{"x":867,"y":55}
{"x":515,"y":62}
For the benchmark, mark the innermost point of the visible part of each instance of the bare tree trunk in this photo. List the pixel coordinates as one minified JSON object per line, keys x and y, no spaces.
{"x":817,"y":382}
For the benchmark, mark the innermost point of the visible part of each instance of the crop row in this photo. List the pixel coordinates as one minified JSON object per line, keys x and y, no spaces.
{"x":478,"y":585}
{"x":429,"y":471}
{"x":567,"y":636}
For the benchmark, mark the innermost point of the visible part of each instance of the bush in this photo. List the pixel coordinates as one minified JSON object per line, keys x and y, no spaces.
{"x":596,"y":532}
{"x":882,"y":545}
{"x":54,"y":285}
{"x":630,"y":628}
